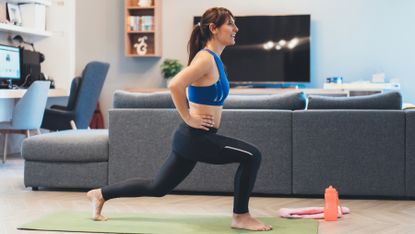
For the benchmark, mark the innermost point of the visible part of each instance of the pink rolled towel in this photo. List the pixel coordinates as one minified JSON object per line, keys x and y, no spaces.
{"x":309,"y":212}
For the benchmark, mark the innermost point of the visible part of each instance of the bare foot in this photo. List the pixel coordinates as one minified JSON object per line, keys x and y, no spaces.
{"x":95,"y":196}
{"x":247,"y":222}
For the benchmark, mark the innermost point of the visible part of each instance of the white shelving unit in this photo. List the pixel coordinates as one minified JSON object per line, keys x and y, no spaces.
{"x":363,"y":86}
{"x":22,"y":30}
{"x":44,"y":2}
{"x":10,"y":28}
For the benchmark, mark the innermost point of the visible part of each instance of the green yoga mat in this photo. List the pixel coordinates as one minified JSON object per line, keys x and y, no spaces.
{"x":161,"y":224}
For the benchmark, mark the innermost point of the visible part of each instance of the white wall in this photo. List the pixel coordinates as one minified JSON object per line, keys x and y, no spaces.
{"x":59,"y":51}
{"x":100,"y":36}
{"x":353,"y":39}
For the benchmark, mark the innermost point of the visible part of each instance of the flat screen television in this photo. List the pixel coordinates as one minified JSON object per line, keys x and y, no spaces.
{"x":10,"y":63}
{"x":269,"y":50}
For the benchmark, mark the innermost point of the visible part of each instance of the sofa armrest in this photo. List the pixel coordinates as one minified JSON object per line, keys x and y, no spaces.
{"x":360,"y":152}
{"x":410,"y":153}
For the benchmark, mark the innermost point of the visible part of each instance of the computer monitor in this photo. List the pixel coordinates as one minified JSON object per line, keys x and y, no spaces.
{"x":9,"y":63}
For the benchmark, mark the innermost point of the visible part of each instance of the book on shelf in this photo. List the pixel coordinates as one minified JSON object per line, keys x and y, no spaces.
{"x":141,"y":23}
{"x":147,"y":23}
{"x":133,"y":23}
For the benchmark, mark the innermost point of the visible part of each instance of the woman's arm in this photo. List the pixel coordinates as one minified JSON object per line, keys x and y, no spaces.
{"x":200,"y":66}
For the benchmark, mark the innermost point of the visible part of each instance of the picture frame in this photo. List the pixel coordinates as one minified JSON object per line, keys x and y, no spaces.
{"x":13,"y":14}
{"x":3,"y":13}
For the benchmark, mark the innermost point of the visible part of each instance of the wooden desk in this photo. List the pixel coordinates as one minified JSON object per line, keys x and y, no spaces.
{"x":18,"y":93}
{"x":9,"y":97}
{"x":8,"y":100}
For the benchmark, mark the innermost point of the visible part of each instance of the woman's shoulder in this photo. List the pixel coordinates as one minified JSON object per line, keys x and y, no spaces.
{"x":204,"y":58}
{"x":204,"y":54}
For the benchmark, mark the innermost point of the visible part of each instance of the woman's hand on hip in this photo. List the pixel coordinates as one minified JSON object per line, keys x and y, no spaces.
{"x":200,"y":121}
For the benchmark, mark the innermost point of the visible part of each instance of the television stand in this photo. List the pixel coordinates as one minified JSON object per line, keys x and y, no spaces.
{"x":262,"y":91}
{"x":265,"y":86}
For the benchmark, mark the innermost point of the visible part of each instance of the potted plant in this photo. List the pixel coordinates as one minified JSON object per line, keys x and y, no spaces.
{"x":170,"y":67}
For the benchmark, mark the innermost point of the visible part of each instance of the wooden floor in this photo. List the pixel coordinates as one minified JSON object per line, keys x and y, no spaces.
{"x":19,"y":205}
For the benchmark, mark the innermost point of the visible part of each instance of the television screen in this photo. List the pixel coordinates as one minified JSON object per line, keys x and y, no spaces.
{"x":269,"y":49}
{"x":10,"y":62}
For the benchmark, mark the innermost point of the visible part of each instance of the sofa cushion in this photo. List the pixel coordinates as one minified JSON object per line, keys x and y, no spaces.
{"x":125,"y":99}
{"x":389,"y":101}
{"x":67,"y":146}
{"x":288,"y":101}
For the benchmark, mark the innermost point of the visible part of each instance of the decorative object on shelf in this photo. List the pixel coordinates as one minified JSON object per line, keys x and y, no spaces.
{"x":170,"y":67}
{"x":378,"y":78}
{"x":141,"y":46}
{"x":19,"y":39}
{"x":334,"y":79}
{"x":144,"y":3}
{"x":13,"y":14}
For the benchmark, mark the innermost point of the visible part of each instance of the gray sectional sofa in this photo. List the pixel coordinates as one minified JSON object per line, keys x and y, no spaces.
{"x":360,"y":151}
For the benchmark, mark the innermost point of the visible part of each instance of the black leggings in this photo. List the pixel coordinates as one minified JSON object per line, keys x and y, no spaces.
{"x":190,"y":146}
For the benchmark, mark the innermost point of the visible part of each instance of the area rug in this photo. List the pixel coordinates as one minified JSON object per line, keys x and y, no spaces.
{"x":160,"y":224}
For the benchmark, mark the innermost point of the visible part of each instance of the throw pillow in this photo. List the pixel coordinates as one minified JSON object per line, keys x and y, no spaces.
{"x":288,"y":101}
{"x":124,"y":99}
{"x":389,"y":101}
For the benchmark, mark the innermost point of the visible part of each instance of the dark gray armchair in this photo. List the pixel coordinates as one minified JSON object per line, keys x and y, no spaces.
{"x":83,"y":97}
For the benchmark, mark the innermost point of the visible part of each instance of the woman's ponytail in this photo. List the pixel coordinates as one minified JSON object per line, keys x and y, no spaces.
{"x":195,"y":43}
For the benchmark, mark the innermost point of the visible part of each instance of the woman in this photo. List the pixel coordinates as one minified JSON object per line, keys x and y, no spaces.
{"x":196,"y":139}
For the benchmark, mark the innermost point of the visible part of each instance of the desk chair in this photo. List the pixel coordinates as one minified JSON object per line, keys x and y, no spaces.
{"x":73,"y":94}
{"x":82,"y":101}
{"x":27,"y":114}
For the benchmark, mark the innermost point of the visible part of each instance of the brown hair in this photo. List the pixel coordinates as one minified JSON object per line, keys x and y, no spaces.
{"x":201,"y":33}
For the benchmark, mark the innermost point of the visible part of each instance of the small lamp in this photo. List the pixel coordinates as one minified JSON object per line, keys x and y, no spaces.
{"x":20,"y":40}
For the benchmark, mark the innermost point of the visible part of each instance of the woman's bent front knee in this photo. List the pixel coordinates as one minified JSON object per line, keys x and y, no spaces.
{"x":256,"y":156}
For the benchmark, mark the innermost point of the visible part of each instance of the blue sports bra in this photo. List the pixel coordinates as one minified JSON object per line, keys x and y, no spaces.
{"x":215,"y":94}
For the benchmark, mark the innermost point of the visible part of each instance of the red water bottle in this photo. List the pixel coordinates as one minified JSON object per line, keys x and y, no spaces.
{"x":331,"y":204}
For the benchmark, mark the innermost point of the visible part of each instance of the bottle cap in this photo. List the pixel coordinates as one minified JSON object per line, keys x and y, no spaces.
{"x":330,"y":189}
